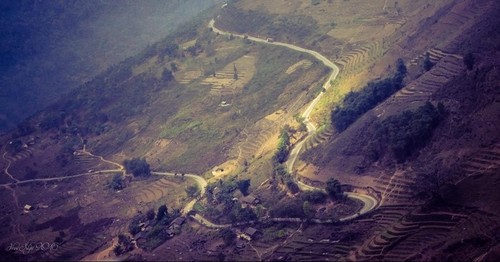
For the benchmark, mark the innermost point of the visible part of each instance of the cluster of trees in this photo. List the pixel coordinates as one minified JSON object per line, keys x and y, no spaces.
{"x":193,"y":191}
{"x":242,"y":214}
{"x":159,"y":221}
{"x":407,"y":132}
{"x":355,"y":104}
{"x":228,"y":236}
{"x":138,"y":167}
{"x":224,"y":196}
{"x":314,"y":196}
{"x":334,"y":189}
{"x":124,"y":245}
{"x":283,"y":147}
{"x":285,"y":178}
{"x":289,"y":208}
{"x":117,"y":182}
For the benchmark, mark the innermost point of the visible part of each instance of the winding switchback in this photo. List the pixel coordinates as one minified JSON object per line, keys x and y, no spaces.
{"x":369,"y":202}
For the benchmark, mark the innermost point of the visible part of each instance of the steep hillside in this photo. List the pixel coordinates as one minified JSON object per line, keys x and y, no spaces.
{"x":51,"y":47}
{"x":274,"y":130}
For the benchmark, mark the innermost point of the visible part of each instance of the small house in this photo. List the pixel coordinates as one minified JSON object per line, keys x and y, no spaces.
{"x":249,"y":233}
{"x":249,"y":200}
{"x":28,"y":208}
{"x":177,"y":223}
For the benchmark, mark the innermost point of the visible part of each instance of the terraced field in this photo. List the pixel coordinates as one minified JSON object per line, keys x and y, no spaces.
{"x":25,"y":153}
{"x":255,"y":137}
{"x":463,"y":16}
{"x":356,"y":60}
{"x":70,"y":248}
{"x":224,"y":82}
{"x":486,"y":161}
{"x":396,"y":189}
{"x":319,"y":137}
{"x":154,"y":192}
{"x":408,"y":236}
{"x":423,"y":87}
{"x":87,"y":164}
{"x":312,"y":250}
{"x":184,"y":247}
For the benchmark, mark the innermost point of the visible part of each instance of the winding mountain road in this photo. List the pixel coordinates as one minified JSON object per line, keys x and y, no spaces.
{"x":369,"y":202}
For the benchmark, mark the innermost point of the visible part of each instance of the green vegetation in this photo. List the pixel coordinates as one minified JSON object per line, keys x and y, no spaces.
{"x":315,"y":2}
{"x":124,"y":245}
{"x":355,"y":104}
{"x":333,"y":189}
{"x":228,"y":236}
{"x":138,"y":167}
{"x":243,"y":186}
{"x":242,"y":214}
{"x":427,"y":64}
{"x":162,"y":212}
{"x":405,"y":133}
{"x":193,"y":191}
{"x":314,"y":196}
{"x":117,"y":182}
{"x":309,"y":211}
{"x":283,"y":147}
{"x":288,"y":208}
{"x":469,"y":61}
{"x":155,"y":229}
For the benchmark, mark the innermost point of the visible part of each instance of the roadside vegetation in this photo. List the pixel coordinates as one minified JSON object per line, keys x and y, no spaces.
{"x":405,"y":133}
{"x":155,"y":226}
{"x":138,"y":167}
{"x":355,"y":104}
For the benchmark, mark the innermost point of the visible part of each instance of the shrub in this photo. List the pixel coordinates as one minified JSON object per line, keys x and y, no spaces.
{"x":315,"y":196}
{"x":117,"y":182}
{"x":138,"y":167}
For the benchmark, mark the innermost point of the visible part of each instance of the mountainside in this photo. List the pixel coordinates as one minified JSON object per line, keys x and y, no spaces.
{"x":51,"y":47}
{"x":274,"y":130}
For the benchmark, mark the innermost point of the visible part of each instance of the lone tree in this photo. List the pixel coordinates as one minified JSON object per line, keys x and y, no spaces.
{"x":427,"y":64}
{"x":162,"y":212}
{"x":469,"y":61}
{"x":333,"y":188}
{"x":235,"y":75}
{"x":243,"y":186}
{"x":138,"y":167}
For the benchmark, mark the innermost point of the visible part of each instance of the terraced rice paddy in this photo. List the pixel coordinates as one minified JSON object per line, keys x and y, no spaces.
{"x":81,"y":245}
{"x":154,"y":192}
{"x":225,"y":83}
{"x":408,"y":236}
{"x":423,"y":87}
{"x":356,"y":60}
{"x":319,"y":137}
{"x":486,"y":161}
{"x":255,"y":138}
